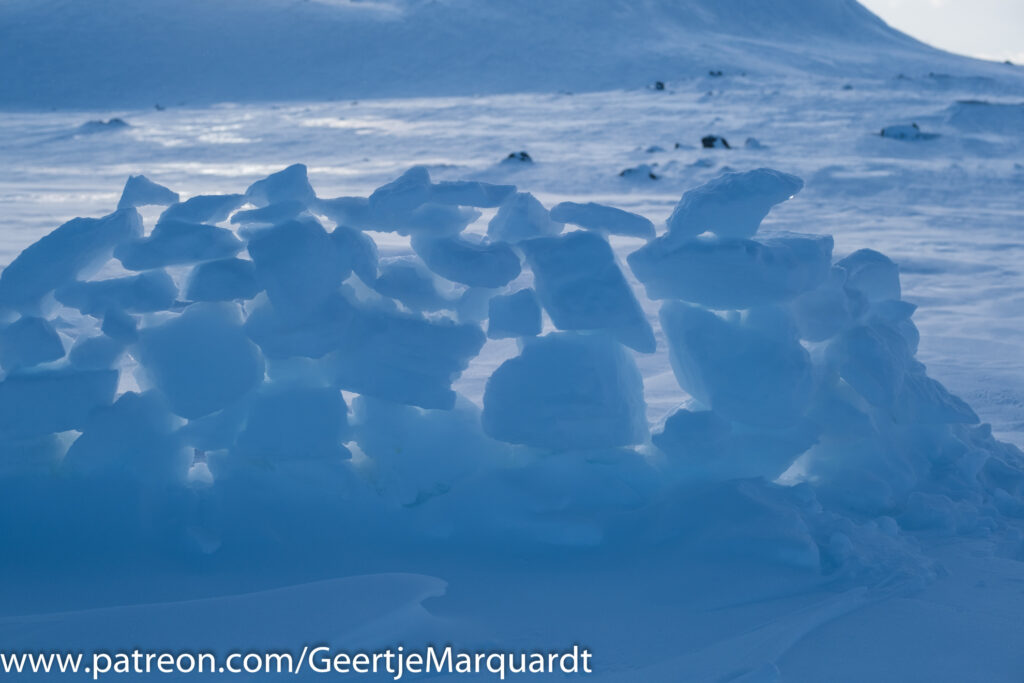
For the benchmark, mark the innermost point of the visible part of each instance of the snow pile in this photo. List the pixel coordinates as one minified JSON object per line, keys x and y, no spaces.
{"x":240,"y":371}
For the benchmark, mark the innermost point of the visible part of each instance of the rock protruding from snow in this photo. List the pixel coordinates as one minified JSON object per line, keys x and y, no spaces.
{"x":602,"y":218}
{"x":141,"y":191}
{"x":565,"y":392}
{"x":733,"y":204}
{"x":582,"y":288}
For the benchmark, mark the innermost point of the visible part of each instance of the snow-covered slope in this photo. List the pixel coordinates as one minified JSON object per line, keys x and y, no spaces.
{"x":67,"y":53}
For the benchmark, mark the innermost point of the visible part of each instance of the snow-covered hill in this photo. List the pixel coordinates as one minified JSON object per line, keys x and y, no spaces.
{"x":109,"y":53}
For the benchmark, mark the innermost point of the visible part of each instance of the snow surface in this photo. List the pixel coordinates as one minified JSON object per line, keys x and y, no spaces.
{"x":904,"y":544}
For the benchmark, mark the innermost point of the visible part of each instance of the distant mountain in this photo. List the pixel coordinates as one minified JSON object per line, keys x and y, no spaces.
{"x":108,"y":53}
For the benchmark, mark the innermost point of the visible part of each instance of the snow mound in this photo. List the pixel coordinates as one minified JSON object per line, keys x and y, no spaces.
{"x":204,"y":413}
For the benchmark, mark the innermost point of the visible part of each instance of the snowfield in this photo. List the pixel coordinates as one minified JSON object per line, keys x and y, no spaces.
{"x":684,"y":331}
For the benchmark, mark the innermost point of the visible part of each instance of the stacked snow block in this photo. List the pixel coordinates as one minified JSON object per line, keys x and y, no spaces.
{"x":251,"y":352}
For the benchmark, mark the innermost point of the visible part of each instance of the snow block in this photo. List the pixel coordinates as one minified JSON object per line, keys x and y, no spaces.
{"x":225,"y":280}
{"x":604,"y":219}
{"x":359,"y":249}
{"x":141,"y":191}
{"x":582,"y":288}
{"x":95,"y":353}
{"x":202,"y":360}
{"x":741,"y":373}
{"x":174,"y":242}
{"x":131,"y":440}
{"x":271,"y":214}
{"x":733,"y":204}
{"x":403,"y":358}
{"x":144,"y":293}
{"x":728,"y":273}
{"x":435,"y":220}
{"x":567,"y":391}
{"x":353,"y":212}
{"x":823,"y":312}
{"x":469,"y":193}
{"x":288,"y":422}
{"x":408,"y":280}
{"x":419,"y":455}
{"x":120,"y":326}
{"x":522,"y":217}
{"x":38,"y":403}
{"x":204,"y":208}
{"x":706,"y":444}
{"x":392,"y":203}
{"x":873,"y":274}
{"x":312,"y":336}
{"x":289,"y":185}
{"x":475,"y":264}
{"x":299,"y":266}
{"x":29,"y":341}
{"x":71,"y":251}
{"x":514,"y":315}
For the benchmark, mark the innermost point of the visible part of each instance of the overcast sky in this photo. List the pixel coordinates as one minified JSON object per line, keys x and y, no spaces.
{"x":993,"y":29}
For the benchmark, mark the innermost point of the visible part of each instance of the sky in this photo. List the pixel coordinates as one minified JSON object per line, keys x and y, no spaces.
{"x":991,"y":29}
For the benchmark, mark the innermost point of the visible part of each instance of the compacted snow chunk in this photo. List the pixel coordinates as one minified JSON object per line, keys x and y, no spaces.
{"x":733,"y":204}
{"x":204,"y":208}
{"x":144,"y":293}
{"x":408,"y":280}
{"x":202,"y":360}
{"x":38,"y":403}
{"x":469,"y":193}
{"x":707,"y":444}
{"x":582,"y":288}
{"x":873,"y":274}
{"x":475,"y":264}
{"x":271,"y":214}
{"x":742,"y":373}
{"x":729,"y":273}
{"x":69,"y":252}
{"x":312,"y":336}
{"x":403,"y":358}
{"x":224,"y":280}
{"x":286,"y":422}
{"x":141,"y":191}
{"x":522,"y":217}
{"x":602,"y":218}
{"x":175,"y":242}
{"x":29,"y":341}
{"x":514,"y":315}
{"x":392,"y":203}
{"x":360,"y":249}
{"x":298,"y":264}
{"x":289,"y":185}
{"x":132,"y":439}
{"x":567,"y":391}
